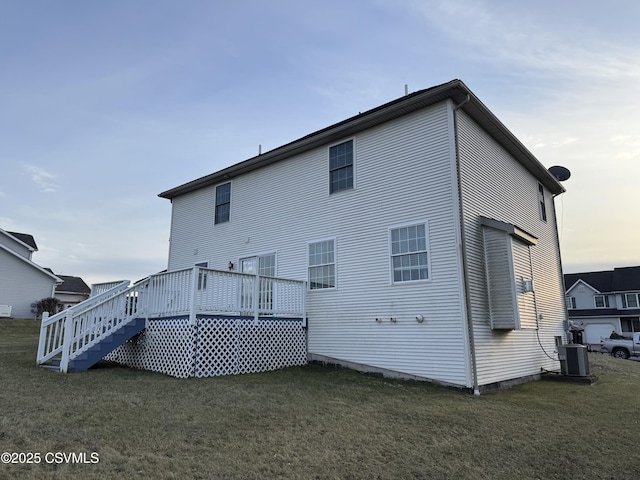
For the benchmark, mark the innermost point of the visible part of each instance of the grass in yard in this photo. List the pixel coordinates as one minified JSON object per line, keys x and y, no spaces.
{"x":310,"y":422}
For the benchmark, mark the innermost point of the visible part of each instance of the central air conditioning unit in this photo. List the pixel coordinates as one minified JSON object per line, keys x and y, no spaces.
{"x":5,"y":310}
{"x":573,"y":360}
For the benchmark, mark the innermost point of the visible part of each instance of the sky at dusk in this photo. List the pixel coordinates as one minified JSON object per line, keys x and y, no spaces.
{"x":103,"y":105}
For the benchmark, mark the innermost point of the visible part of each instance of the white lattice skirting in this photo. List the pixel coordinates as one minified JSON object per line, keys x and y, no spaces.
{"x":214,"y":346}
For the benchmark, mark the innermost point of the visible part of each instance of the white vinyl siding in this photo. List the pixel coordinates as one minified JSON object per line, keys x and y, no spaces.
{"x":342,"y":320}
{"x":496,"y":185}
{"x":522,"y":273}
{"x":22,"y":284}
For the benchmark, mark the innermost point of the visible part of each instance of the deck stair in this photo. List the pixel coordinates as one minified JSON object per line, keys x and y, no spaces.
{"x":79,"y":337}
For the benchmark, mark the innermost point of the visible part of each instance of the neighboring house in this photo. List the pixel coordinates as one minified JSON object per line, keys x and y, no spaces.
{"x":425,"y":230}
{"x":604,"y":302}
{"x":22,"y":282}
{"x":72,"y":291}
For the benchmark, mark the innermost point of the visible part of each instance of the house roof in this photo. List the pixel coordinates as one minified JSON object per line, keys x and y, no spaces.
{"x":25,"y":238}
{"x":455,"y":90}
{"x":72,"y":285}
{"x":622,"y":279}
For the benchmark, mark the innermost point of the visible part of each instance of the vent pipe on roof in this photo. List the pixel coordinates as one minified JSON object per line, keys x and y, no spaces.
{"x":260,"y":149}
{"x":406,"y":89}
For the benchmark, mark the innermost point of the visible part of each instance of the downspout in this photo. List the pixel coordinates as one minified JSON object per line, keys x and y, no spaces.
{"x":463,"y":253}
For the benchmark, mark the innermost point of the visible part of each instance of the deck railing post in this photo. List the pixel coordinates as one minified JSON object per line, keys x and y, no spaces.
{"x":194,"y":289}
{"x":66,"y":344}
{"x":43,"y":336}
{"x":304,"y":303}
{"x":256,"y":298}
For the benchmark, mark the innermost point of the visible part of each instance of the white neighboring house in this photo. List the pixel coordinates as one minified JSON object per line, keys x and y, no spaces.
{"x":71,"y":291}
{"x":603,"y":302}
{"x":425,"y":230}
{"x":22,"y":282}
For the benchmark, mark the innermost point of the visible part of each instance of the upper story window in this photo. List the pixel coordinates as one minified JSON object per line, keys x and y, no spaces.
{"x":571,"y":303}
{"x":409,"y":253}
{"x":542,"y":208}
{"x":630,"y":300}
{"x":322,"y":265}
{"x":223,"y":203}
{"x":341,"y":167}
{"x":602,"y":301}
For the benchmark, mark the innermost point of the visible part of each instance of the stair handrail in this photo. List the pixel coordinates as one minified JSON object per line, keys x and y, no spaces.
{"x":52,"y":328}
{"x":88,"y":327}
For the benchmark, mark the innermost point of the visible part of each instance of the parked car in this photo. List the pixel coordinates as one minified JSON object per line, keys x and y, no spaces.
{"x":621,"y":348}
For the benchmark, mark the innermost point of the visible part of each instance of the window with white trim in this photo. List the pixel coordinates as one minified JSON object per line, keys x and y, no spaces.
{"x":541,"y":203}
{"x":409,"y":253}
{"x":341,"y":167}
{"x":223,"y":203}
{"x":602,"y":301}
{"x":322,"y":265}
{"x":571,"y":303}
{"x":630,"y":300}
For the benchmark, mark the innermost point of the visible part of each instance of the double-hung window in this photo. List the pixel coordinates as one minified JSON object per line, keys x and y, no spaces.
{"x":409,"y":253}
{"x":322,"y":264}
{"x":571,"y":303}
{"x":630,"y":300}
{"x":341,"y":167}
{"x":223,"y":203}
{"x":602,"y":301}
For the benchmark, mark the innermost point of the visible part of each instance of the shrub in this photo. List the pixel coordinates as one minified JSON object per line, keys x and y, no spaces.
{"x":48,"y":304}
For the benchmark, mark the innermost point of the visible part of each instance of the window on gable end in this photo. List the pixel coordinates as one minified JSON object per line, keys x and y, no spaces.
{"x":542,"y":208}
{"x":223,"y":203}
{"x":341,"y":167}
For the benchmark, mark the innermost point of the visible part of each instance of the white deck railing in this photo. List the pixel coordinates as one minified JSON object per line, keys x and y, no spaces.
{"x":189,"y":292}
{"x":204,"y":290}
{"x":100,"y":288}
{"x":52,"y":328}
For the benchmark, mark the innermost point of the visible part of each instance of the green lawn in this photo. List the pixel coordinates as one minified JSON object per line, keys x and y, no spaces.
{"x":310,"y":422}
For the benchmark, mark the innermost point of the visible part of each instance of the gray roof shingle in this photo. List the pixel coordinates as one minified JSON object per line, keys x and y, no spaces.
{"x":25,"y":238}
{"x":72,"y":285}
{"x":617,"y":280}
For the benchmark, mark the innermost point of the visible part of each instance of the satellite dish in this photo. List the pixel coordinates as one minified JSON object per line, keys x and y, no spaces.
{"x":561,"y":173}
